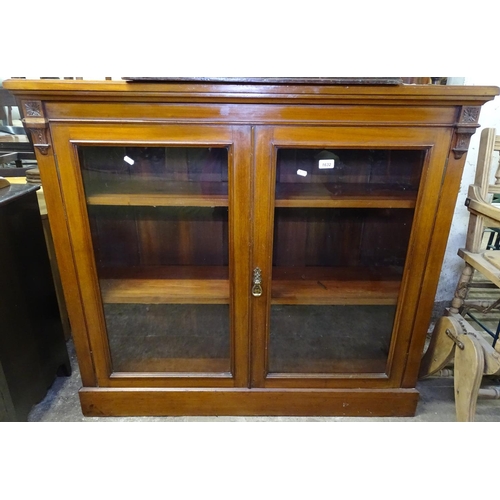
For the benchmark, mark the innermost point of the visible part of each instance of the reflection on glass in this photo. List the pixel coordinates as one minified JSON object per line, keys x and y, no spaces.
{"x":351,"y":169}
{"x":159,"y":225}
{"x":325,"y":339}
{"x":342,"y":225}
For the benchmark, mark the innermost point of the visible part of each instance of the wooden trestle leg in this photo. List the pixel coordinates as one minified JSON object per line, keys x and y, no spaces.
{"x":441,"y":348}
{"x":469,"y":366}
{"x":454,"y":337}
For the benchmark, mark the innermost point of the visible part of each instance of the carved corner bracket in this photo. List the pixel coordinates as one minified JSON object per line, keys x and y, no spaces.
{"x":465,"y":129}
{"x":35,"y":121}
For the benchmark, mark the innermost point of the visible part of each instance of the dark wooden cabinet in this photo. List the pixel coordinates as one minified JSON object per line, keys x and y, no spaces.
{"x":249,"y":248}
{"x":32,"y":344}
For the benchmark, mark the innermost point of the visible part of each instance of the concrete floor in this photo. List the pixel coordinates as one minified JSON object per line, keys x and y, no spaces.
{"x":436,"y":405}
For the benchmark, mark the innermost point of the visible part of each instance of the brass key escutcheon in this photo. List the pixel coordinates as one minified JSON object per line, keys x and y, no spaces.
{"x":257,"y":280}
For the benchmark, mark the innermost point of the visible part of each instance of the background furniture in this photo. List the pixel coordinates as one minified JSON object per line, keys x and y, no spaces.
{"x":454,"y":338}
{"x":249,"y":247}
{"x":15,"y":146}
{"x":32,"y":344}
{"x":19,"y":180}
{"x":7,"y":103}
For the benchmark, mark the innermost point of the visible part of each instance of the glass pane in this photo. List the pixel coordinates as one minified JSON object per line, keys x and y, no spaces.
{"x":342,"y":225}
{"x":159,"y":225}
{"x":317,"y":339}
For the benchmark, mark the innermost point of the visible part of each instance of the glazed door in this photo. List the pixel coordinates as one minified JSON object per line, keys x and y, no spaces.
{"x":160,"y":235}
{"x":343,"y":218}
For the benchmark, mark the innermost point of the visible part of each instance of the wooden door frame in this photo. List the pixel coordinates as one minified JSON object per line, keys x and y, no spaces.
{"x":415,"y":291}
{"x":66,"y":139}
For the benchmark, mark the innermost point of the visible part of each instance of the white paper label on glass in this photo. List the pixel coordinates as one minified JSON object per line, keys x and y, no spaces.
{"x":302,"y":173}
{"x":326,"y":164}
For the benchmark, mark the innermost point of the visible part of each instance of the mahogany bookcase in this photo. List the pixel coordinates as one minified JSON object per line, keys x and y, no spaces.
{"x":249,"y":246}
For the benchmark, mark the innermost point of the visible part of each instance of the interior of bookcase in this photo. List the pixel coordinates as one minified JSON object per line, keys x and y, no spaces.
{"x":159,"y":220}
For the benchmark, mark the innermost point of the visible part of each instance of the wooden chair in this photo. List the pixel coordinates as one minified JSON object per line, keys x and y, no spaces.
{"x":454,"y":338}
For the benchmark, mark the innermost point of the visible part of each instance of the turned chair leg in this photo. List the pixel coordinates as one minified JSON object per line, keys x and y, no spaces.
{"x":462,"y":289}
{"x":469,"y":369}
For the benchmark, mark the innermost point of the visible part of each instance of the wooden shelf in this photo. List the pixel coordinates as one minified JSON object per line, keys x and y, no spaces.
{"x":165,"y":285}
{"x":290,"y":367}
{"x":335,"y":286}
{"x":316,"y":195}
{"x":158,"y":192}
{"x":214,"y":194}
{"x":208,"y":366}
{"x":160,"y":291}
{"x":309,"y":286}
